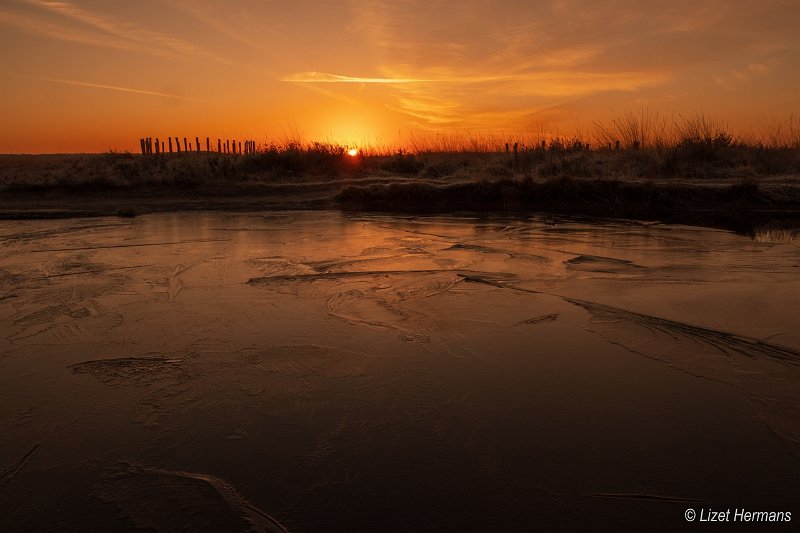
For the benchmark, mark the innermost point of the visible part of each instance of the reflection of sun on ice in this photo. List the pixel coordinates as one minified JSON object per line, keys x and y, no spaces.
{"x":352,"y":152}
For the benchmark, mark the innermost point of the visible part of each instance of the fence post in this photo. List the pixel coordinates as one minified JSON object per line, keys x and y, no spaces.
{"x":141,"y":145}
{"x":162,"y":147}
{"x":158,"y":146}
{"x":170,"y":144}
{"x":208,"y":145}
{"x":616,"y":145}
{"x":219,"y":146}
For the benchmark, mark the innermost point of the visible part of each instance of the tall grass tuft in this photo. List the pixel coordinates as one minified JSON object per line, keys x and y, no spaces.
{"x":642,"y":129}
{"x":781,"y":133}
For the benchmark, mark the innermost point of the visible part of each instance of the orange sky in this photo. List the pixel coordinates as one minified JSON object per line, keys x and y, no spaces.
{"x":94,"y":75}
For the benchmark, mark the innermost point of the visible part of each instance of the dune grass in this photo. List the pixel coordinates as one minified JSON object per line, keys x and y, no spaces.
{"x":650,"y":147}
{"x":662,"y":167}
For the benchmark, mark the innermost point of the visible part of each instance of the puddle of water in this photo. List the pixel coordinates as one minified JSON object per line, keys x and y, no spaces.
{"x":313,"y":371}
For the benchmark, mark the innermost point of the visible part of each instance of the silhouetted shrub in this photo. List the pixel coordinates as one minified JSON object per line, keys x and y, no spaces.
{"x":403,"y":163}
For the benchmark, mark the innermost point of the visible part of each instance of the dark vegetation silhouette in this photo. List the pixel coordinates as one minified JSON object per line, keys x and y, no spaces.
{"x":636,"y":165}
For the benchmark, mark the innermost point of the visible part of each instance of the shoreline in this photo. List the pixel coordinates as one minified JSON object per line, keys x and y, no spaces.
{"x":739,"y":207}
{"x":737,"y":198}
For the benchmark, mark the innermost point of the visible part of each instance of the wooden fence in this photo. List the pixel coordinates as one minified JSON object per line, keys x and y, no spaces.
{"x":151,"y":145}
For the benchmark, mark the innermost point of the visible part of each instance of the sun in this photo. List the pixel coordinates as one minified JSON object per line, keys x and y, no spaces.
{"x":352,"y":152}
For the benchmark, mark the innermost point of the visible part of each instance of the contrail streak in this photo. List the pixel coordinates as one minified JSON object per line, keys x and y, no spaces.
{"x":113,"y":88}
{"x":322,"y":77}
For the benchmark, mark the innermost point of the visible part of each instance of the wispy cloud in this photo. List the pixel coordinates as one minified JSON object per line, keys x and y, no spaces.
{"x":39,"y":26}
{"x":479,"y":59}
{"x":331,"y":94}
{"x":215,"y":16}
{"x":111,"y":87}
{"x":322,"y":77}
{"x":562,"y":78}
{"x":445,"y":96}
{"x":736,"y":77}
{"x":76,"y":24}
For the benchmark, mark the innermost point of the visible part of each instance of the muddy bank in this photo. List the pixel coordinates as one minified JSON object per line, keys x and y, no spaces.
{"x":733,"y":204}
{"x":739,"y":206}
{"x":737,"y":194}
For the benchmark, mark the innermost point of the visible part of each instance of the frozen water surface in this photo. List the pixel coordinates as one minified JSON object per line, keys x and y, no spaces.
{"x":313,"y":371}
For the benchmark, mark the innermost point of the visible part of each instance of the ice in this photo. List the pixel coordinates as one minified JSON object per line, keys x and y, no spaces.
{"x":313,"y":371}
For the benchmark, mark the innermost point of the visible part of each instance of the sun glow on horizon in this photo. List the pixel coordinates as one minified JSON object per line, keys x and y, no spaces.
{"x":94,"y":76}
{"x":352,"y":152}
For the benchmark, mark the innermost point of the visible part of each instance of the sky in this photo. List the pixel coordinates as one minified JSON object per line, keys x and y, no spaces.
{"x":94,"y":75}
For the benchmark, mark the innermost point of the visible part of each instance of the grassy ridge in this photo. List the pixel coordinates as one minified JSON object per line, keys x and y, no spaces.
{"x":694,"y":172}
{"x":634,"y":145}
{"x":702,"y":161}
